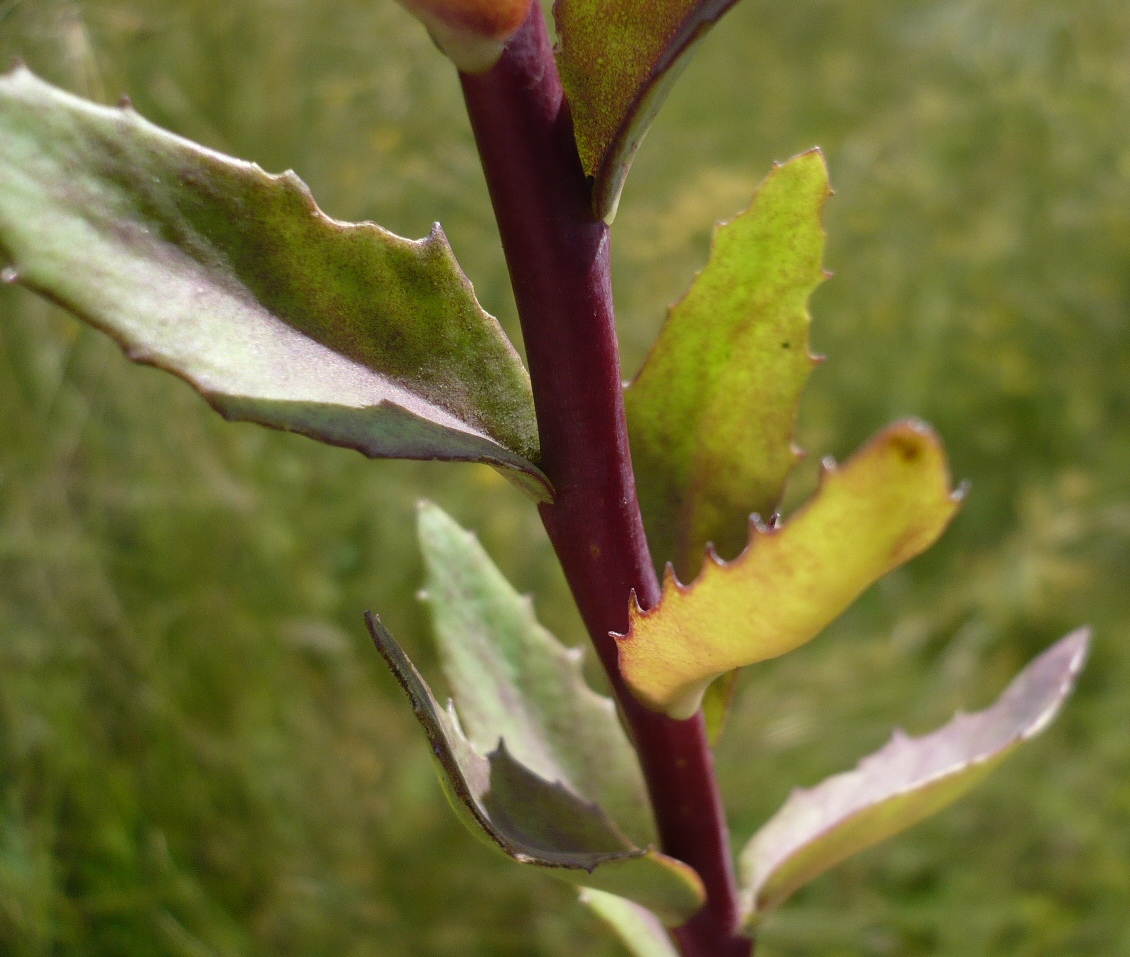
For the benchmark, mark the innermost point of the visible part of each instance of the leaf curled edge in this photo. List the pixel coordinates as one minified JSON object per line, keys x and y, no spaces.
{"x":235,"y":281}
{"x":904,"y":782}
{"x":618,"y":60}
{"x":534,"y":821}
{"x":886,"y":504}
{"x":511,"y":678}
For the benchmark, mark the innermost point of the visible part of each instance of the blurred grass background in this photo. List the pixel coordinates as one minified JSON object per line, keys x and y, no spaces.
{"x":200,"y":753}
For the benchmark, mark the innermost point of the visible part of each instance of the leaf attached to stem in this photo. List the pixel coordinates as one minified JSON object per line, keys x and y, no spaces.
{"x":904,"y":782}
{"x":236,"y":282}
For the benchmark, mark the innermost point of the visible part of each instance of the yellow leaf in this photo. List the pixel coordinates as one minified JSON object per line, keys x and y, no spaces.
{"x":888,"y":503}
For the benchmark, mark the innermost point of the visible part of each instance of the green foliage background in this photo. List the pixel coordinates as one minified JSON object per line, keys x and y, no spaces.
{"x":200,"y":753}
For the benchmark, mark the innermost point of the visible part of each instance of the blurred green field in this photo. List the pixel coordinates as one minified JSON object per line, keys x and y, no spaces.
{"x":201,"y":754}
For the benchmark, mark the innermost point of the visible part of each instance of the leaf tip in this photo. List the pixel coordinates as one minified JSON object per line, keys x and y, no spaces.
{"x":9,"y":275}
{"x":431,"y":524}
{"x":16,"y":66}
{"x":1071,"y":652}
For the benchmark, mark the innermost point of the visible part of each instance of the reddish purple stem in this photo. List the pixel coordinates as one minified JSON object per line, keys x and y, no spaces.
{"x":557,"y":252}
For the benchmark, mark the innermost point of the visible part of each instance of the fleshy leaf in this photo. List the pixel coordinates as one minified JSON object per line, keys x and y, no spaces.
{"x":235,"y":281}
{"x":535,"y":821}
{"x":712,"y":411}
{"x":512,"y":679}
{"x":618,"y":59}
{"x":472,"y":33}
{"x":902,"y":783}
{"x":639,"y":929}
{"x":888,"y":503}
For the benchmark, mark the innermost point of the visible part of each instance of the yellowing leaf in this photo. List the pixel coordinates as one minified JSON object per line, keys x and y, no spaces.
{"x":712,"y":411}
{"x":236,"y":282}
{"x":617,"y":60}
{"x":904,"y":782}
{"x":534,"y":821}
{"x":888,"y":503}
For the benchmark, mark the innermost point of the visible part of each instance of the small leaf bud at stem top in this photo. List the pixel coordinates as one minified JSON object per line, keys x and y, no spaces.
{"x":471,"y":33}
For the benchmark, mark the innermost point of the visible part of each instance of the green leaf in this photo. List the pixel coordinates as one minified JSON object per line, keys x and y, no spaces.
{"x":235,"y":281}
{"x":888,"y":503}
{"x":902,"y":783}
{"x":618,"y":59}
{"x":512,"y":679}
{"x":535,"y":821}
{"x":716,"y":701}
{"x":712,"y":411}
{"x":639,"y":929}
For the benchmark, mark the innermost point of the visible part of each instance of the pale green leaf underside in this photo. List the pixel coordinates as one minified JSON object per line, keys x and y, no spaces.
{"x":512,"y":679}
{"x":535,"y":821}
{"x":886,"y":504}
{"x":618,"y":59}
{"x":902,"y":783}
{"x":639,"y":929}
{"x":712,"y":412}
{"x":235,"y":281}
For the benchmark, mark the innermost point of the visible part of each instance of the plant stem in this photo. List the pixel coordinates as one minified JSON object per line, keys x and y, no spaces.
{"x":557,"y":252}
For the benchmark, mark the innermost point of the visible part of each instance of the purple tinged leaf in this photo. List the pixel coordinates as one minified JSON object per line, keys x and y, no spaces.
{"x":236,"y":282}
{"x":902,"y":783}
{"x":618,"y":60}
{"x":534,"y":821}
{"x":472,"y":33}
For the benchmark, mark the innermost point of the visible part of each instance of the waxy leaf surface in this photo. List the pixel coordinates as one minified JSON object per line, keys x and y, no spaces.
{"x":902,"y":783}
{"x":888,"y":503}
{"x":711,"y":413}
{"x":639,"y":929}
{"x":617,"y":60}
{"x":235,"y":281}
{"x":535,"y":821}
{"x":512,"y":679}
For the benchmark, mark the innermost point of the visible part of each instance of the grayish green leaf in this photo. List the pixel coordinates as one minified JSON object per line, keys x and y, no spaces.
{"x":235,"y":281}
{"x":512,"y":679}
{"x":535,"y":821}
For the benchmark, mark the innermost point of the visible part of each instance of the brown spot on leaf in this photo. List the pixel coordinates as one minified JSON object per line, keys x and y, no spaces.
{"x":909,"y":448}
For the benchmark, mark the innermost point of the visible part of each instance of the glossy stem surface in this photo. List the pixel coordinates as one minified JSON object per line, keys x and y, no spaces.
{"x":557,"y":252}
